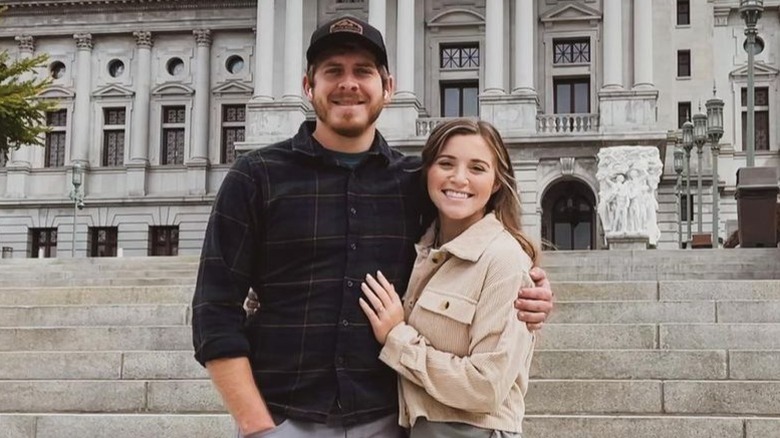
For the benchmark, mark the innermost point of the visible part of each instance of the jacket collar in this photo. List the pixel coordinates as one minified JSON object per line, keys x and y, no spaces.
{"x":470,"y":244}
{"x":303,"y":142}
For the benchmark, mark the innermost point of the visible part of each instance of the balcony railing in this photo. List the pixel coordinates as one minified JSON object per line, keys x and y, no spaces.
{"x":567,"y":123}
{"x":426,"y":124}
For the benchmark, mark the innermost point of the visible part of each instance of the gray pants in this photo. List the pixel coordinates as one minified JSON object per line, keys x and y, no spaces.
{"x":385,"y":427}
{"x":425,"y":429}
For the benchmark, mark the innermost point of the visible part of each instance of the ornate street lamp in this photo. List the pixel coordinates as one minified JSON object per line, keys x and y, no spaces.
{"x":714,"y":133}
{"x":78,"y":200}
{"x":687,"y":137}
{"x":751,"y":12}
{"x":679,"y":161}
{"x":699,"y":138}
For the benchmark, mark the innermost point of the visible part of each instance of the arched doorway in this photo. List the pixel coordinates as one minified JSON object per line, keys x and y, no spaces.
{"x":569,"y":216}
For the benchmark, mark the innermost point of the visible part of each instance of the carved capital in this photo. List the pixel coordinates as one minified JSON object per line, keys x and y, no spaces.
{"x":143,"y":39}
{"x":26,"y":43}
{"x":202,"y":37}
{"x":83,"y":41}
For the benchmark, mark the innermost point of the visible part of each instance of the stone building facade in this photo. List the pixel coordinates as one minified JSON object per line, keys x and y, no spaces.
{"x":155,"y":99}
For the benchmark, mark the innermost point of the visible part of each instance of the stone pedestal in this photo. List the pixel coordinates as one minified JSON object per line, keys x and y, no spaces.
{"x":270,"y":122}
{"x":511,"y":114}
{"x":627,"y":111}
{"x":398,"y":120}
{"x":16,"y":183}
{"x":628,"y":242}
{"x":197,"y":177}
{"x":136,"y":179}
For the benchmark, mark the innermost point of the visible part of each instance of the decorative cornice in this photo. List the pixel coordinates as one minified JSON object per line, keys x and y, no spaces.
{"x":143,"y":39}
{"x":567,"y":165}
{"x":26,"y":43}
{"x":721,"y":14}
{"x":83,"y":41}
{"x":202,"y":37}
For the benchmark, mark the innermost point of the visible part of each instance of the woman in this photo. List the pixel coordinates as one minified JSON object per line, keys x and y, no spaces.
{"x":462,"y":357}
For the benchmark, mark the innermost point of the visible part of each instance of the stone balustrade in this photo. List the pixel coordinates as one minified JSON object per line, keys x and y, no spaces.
{"x":567,"y":123}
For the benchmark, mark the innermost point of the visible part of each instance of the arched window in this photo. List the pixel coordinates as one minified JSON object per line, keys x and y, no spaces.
{"x":569,"y":217}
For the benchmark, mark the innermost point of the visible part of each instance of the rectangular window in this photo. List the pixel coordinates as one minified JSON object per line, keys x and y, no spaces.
{"x":102,"y":241}
{"x":683,"y":198}
{"x":460,"y":99}
{"x":233,"y":130}
{"x":683,"y":63}
{"x":164,"y":241}
{"x":173,"y":129}
{"x":114,"y":136}
{"x":459,"y":56}
{"x":683,"y":12}
{"x":683,"y":113}
{"x":761,"y":118}
{"x":574,"y":51}
{"x":43,"y":240}
{"x":572,"y":95}
{"x":55,"y":138}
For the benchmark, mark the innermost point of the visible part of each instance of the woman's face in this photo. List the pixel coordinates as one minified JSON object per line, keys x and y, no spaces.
{"x":461,"y":180}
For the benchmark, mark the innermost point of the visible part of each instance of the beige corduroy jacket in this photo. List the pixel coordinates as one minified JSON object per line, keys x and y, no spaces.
{"x":462,"y":355}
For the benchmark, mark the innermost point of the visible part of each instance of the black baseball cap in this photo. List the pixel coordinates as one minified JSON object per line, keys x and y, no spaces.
{"x":347,"y":28}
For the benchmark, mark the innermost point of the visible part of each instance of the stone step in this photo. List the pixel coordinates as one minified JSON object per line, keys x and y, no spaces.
{"x":116,"y":425}
{"x":598,"y":337}
{"x":653,"y":397}
{"x":96,"y":338}
{"x":633,"y":312}
{"x":666,"y":290}
{"x":604,"y":290}
{"x":106,"y":281}
{"x":736,"y":272}
{"x":99,"y":365}
{"x":665,"y":256}
{"x":53,"y":277}
{"x":719,"y":336}
{"x":649,"y":426}
{"x":73,"y":295}
{"x":101,"y":261}
{"x":84,"y":396}
{"x":96,"y":315}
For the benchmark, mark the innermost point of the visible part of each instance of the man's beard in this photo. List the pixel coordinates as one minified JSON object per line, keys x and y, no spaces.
{"x":351,"y":130}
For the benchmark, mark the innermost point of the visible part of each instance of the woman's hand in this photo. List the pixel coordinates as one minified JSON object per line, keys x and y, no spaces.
{"x":386,"y":310}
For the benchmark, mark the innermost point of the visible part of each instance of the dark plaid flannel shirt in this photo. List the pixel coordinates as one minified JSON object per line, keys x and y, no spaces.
{"x":303,"y":232}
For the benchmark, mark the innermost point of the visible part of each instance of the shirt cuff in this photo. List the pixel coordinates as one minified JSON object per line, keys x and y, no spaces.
{"x":399,"y":337}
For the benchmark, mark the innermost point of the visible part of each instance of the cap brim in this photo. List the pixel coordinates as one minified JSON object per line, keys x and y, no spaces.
{"x":333,"y":39}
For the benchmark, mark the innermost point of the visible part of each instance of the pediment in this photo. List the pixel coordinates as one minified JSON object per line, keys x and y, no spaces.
{"x":571,"y":12}
{"x":113,"y":90}
{"x":57,"y":92}
{"x":233,"y":87}
{"x":457,"y":17}
{"x":760,"y":69}
{"x":173,"y":90}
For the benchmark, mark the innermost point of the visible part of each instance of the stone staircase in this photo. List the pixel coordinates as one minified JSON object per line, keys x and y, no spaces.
{"x":642,"y":344}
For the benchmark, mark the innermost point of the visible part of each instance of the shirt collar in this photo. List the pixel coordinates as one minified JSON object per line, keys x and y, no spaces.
{"x":303,"y":142}
{"x":470,"y":244}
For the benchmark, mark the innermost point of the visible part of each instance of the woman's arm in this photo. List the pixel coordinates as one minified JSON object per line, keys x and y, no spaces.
{"x":480,"y":382}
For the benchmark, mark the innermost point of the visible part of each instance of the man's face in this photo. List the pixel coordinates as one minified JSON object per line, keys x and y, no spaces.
{"x":347,"y":94}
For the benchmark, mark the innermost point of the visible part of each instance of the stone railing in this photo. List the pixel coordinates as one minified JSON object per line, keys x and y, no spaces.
{"x":566,"y":123}
{"x":426,"y":124}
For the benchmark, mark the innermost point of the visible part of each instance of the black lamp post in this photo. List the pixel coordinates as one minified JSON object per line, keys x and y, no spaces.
{"x":679,"y":161}
{"x":700,"y":139}
{"x":687,"y":135}
{"x":751,"y":11}
{"x":77,"y":197}
{"x":715,"y":132}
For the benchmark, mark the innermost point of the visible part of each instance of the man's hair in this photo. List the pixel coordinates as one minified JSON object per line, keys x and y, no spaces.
{"x":505,"y":202}
{"x":342,"y":48}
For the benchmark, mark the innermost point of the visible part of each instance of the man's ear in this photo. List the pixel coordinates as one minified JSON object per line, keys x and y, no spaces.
{"x":389,"y":89}
{"x":307,"y":87}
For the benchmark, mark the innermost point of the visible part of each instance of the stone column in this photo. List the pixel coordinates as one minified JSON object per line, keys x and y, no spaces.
{"x":264,"y":52}
{"x":524,"y":47}
{"x":139,"y":134}
{"x":19,"y":163}
{"x":643,"y":44}
{"x":613,"y":44}
{"x":405,"y":50}
{"x":377,"y":15}
{"x":293,"y":50}
{"x":494,"y":47}
{"x":200,"y":107}
{"x":81,"y":114}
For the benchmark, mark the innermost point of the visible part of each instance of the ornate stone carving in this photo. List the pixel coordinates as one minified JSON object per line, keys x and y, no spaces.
{"x":83,"y":40}
{"x":26,"y":43}
{"x":628,"y":179}
{"x":143,"y":39}
{"x":202,"y":37}
{"x":567,"y":165}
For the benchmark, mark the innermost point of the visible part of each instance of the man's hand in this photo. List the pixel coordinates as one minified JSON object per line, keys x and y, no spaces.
{"x":534,"y":304}
{"x":385,"y":311}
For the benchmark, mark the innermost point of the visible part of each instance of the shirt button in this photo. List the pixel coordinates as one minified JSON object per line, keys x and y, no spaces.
{"x":435,"y":260}
{"x":350,"y":283}
{"x":345,"y":323}
{"x":353,"y":211}
{"x":353,"y":246}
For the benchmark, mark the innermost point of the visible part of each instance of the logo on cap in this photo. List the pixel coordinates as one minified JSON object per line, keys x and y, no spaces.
{"x":346,"y":25}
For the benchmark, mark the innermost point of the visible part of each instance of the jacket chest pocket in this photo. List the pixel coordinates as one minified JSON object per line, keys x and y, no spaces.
{"x":455,"y":307}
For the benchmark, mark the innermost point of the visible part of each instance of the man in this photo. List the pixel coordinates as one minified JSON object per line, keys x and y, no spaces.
{"x":302,"y":222}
